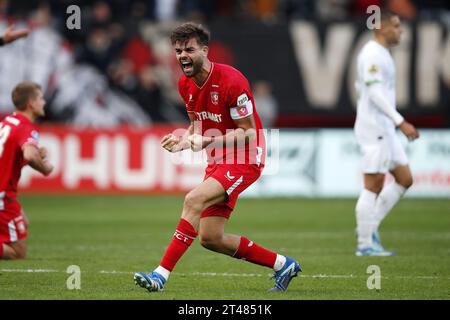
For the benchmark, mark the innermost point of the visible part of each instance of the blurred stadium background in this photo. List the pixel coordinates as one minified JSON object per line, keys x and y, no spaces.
{"x":111,"y":88}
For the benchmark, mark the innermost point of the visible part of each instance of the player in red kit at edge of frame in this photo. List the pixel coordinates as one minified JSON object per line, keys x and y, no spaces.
{"x":19,"y":146}
{"x":221,"y":110}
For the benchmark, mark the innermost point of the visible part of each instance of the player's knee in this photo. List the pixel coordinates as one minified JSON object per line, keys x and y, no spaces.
{"x":193,"y":202}
{"x":15,"y":255}
{"x":375,"y":188}
{"x":20,"y":253}
{"x":406,"y":182}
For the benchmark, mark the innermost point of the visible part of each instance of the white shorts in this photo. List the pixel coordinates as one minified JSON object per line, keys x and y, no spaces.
{"x":383,"y":156}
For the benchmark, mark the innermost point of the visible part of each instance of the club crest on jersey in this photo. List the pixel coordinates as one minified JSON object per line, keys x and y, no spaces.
{"x":215,"y":97}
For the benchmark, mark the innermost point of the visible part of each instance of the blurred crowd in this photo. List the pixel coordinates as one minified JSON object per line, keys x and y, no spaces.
{"x":111,"y":41}
{"x":132,"y":11}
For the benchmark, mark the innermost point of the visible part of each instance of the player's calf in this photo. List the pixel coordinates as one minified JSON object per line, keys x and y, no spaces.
{"x":210,"y":242}
{"x":218,"y":243}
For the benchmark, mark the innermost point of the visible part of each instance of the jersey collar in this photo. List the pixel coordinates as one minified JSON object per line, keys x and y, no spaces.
{"x":207,"y":79}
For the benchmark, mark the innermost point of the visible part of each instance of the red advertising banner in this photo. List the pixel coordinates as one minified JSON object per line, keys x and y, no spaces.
{"x":110,"y":161}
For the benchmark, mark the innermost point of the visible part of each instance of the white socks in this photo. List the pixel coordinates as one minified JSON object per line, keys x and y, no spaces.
{"x":371,"y":210}
{"x":386,"y":200}
{"x":365,"y":218}
{"x":163,"y":271}
{"x":279,"y":262}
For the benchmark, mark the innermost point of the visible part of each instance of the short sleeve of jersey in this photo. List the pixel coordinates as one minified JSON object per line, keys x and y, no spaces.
{"x":240,"y":98}
{"x":27,"y":135}
{"x":371,"y":70}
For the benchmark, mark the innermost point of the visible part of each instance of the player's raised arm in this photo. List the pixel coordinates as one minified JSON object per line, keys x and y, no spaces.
{"x":174,"y":143}
{"x":37,"y":159}
{"x":243,"y":134}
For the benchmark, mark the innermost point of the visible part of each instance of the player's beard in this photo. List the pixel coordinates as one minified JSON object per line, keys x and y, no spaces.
{"x":394,"y":39}
{"x":195,"y":69}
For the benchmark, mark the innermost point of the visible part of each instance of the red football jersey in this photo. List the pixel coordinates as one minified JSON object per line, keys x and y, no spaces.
{"x":15,"y":132}
{"x":224,"y":97}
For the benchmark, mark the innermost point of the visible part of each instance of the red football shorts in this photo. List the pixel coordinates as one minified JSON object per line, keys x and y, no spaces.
{"x":12,"y":223}
{"x":234,"y":178}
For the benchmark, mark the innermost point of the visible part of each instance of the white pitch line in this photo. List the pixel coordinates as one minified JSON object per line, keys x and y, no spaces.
{"x":226,"y":274}
{"x":29,"y":270}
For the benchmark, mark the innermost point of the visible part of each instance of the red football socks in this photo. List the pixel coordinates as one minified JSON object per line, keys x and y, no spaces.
{"x":250,"y":251}
{"x":1,"y":250}
{"x":182,"y":238}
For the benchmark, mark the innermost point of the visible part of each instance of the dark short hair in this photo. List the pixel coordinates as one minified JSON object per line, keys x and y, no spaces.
{"x":190,"y":30}
{"x":23,"y":92}
{"x":387,"y":15}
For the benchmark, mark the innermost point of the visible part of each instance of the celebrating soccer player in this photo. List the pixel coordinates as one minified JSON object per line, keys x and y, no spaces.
{"x":19,"y":146}
{"x":223,"y":120}
{"x":376,"y":121}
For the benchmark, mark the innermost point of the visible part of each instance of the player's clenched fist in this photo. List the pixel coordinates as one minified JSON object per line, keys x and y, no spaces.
{"x":196,"y":142}
{"x":199,"y":142}
{"x":43,"y":153}
{"x":171,"y":143}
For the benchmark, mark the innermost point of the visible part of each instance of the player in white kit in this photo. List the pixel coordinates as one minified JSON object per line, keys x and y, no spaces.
{"x":375,"y":126}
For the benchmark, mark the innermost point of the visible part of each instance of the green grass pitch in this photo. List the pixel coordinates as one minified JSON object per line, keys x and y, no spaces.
{"x":112,"y":237}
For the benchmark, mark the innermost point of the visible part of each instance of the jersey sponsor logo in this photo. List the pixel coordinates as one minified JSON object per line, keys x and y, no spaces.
{"x":242,"y":99}
{"x":373,"y":69}
{"x":206,"y":115}
{"x":215,"y":97}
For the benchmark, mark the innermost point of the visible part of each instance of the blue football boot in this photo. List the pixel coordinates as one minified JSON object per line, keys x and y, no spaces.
{"x":373,"y":252}
{"x":152,"y":281}
{"x":284,"y":276}
{"x":376,"y":241}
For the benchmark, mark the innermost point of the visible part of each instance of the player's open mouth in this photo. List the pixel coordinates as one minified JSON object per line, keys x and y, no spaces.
{"x":186,"y":65}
